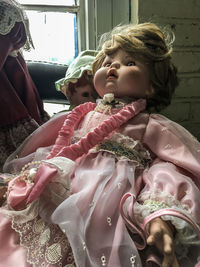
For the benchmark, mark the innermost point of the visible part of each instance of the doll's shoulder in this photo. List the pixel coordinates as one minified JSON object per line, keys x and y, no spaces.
{"x":159,"y":125}
{"x":168,"y":124}
{"x":145,"y":120}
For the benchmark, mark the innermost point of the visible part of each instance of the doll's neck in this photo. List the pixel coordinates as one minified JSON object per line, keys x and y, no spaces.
{"x":109,"y":99}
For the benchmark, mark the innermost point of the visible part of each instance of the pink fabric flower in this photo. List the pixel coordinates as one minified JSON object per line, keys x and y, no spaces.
{"x":18,"y":191}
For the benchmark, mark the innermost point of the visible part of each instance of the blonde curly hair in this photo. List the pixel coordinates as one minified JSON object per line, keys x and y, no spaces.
{"x":150,"y":45}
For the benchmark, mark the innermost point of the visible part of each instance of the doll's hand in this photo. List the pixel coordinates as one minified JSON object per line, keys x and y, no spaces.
{"x":161,"y":236}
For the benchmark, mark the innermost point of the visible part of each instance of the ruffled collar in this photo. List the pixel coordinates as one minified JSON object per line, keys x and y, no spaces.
{"x":62,"y":146}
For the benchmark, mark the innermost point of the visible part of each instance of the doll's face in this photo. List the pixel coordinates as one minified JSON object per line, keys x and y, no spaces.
{"x":123,"y":76}
{"x":81,"y":94}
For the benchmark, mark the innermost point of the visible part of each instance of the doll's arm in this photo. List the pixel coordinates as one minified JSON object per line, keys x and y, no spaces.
{"x":173,"y":200}
{"x":170,"y":194}
{"x":170,"y":185}
{"x":170,"y":142}
{"x":173,"y":180}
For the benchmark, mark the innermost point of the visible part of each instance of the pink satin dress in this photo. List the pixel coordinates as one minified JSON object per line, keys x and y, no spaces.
{"x":144,"y":167}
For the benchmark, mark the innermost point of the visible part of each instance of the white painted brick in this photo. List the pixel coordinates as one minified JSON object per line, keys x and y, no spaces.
{"x":177,"y":111}
{"x":195,"y":112}
{"x":187,"y":61}
{"x":188,"y":87}
{"x":187,"y":34}
{"x":193,"y":128}
{"x":183,"y":16}
{"x":150,"y":9}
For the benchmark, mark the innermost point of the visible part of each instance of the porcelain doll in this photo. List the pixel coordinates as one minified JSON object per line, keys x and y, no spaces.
{"x":120,"y":181}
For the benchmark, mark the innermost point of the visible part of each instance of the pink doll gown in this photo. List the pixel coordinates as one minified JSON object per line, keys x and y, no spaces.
{"x":129,"y":169}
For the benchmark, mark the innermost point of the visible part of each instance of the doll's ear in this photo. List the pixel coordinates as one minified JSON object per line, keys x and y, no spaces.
{"x":63,"y":89}
{"x":150,"y":91}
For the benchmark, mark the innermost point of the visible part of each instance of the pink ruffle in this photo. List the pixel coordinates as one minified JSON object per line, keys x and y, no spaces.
{"x":69,"y":125}
{"x":98,"y":134}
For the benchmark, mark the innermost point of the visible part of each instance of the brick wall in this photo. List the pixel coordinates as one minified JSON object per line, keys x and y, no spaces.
{"x":183,"y":16}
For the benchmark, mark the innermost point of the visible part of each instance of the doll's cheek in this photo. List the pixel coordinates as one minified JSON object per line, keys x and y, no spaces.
{"x":99,"y":78}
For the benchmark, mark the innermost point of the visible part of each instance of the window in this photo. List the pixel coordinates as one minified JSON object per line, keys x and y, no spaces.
{"x":53,"y":27}
{"x":60,"y":29}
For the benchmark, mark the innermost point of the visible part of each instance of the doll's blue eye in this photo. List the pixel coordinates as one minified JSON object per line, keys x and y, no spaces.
{"x":132,"y":63}
{"x":107,"y":65}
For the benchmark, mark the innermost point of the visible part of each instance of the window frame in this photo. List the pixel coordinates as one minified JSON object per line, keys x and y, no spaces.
{"x":61,"y":9}
{"x":91,"y":14}
{"x":102,"y":16}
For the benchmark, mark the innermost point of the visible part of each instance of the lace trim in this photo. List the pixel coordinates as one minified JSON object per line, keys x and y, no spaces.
{"x":125,"y":147}
{"x":10,"y":13}
{"x":155,"y":205}
{"x":46,"y":244}
{"x":165,"y":198}
{"x":22,"y":216}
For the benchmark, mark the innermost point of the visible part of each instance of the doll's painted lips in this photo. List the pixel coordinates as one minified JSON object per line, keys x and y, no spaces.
{"x":111,"y":74}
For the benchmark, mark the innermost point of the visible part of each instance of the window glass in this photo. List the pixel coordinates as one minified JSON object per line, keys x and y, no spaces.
{"x":54,"y":36}
{"x":47,"y":2}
